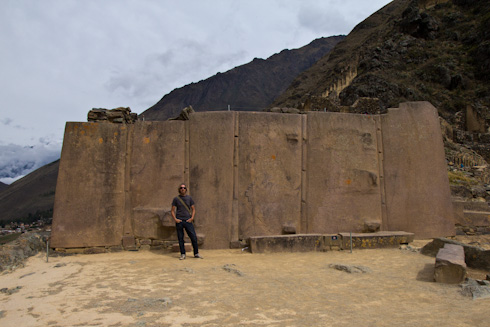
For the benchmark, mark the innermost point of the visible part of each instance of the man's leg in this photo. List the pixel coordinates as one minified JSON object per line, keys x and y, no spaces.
{"x":189,"y":228}
{"x":180,"y":236}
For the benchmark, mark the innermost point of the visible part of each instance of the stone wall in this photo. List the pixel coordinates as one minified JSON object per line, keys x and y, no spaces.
{"x":252,"y":174}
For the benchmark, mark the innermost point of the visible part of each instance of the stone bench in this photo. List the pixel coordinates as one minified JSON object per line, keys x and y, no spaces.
{"x":327,"y":242}
{"x":376,"y":240}
{"x":450,"y":267}
{"x":286,"y":243}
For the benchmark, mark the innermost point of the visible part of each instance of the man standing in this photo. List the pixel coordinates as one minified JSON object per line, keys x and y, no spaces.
{"x":183,"y":220}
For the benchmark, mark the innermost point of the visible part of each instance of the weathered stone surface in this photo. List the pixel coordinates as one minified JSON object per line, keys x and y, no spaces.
{"x":475,"y":257}
{"x":269,"y":172}
{"x":288,"y":229}
{"x":417,"y":187}
{"x":201,"y":238}
{"x":376,"y":240}
{"x":371,"y":226}
{"x":117,"y":115}
{"x":450,"y":266}
{"x":250,"y":174}
{"x":350,"y":268}
{"x":145,"y":242}
{"x":476,"y":289}
{"x":471,"y":213}
{"x":343,"y":180}
{"x":238,"y":244}
{"x":156,"y":169}
{"x":184,"y":114}
{"x":89,"y":205}
{"x":286,"y":243}
{"x":211,"y":169}
{"x":332,"y":242}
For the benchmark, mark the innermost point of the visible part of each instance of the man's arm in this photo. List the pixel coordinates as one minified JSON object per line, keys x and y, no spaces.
{"x":173,"y":215}
{"x":193,"y":208}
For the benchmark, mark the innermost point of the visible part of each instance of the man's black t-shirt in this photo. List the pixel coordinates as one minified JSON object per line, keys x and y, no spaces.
{"x":182,"y":212}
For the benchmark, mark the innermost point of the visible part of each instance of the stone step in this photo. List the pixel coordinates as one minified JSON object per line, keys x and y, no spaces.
{"x":472,"y":218}
{"x":391,"y":239}
{"x":469,"y":213}
{"x":471,"y":205}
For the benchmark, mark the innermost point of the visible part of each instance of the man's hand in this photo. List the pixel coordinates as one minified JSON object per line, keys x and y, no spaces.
{"x":190,"y":220}
{"x":177,"y":221}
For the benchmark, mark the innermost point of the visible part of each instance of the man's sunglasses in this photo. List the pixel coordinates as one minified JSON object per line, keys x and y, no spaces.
{"x":185,"y":188}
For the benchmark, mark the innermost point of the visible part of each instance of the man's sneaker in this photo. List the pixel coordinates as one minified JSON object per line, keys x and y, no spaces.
{"x":197,"y":255}
{"x":182,"y":257}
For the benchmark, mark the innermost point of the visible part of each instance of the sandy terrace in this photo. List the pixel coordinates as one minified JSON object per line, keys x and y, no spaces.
{"x":235,"y":288}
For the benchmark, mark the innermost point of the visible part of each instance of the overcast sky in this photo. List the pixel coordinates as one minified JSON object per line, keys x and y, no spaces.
{"x":61,"y":58}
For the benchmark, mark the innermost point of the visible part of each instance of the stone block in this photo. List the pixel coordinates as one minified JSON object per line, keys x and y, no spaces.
{"x":332,"y":242}
{"x":415,"y":171}
{"x":286,"y":243}
{"x":371,"y":226}
{"x":145,"y":247}
{"x":237,"y":244}
{"x":475,"y":257}
{"x":90,"y":210}
{"x":211,"y":172}
{"x":157,"y":166}
{"x":288,"y":229}
{"x":376,"y":240}
{"x":269,"y":168}
{"x":128,"y":242}
{"x":343,"y":176}
{"x":145,"y":241}
{"x":450,"y":266}
{"x":200,"y":238}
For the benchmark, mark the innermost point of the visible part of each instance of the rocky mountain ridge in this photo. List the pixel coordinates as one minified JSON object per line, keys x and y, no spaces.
{"x":249,"y":87}
{"x":436,"y":51}
{"x":30,"y":196}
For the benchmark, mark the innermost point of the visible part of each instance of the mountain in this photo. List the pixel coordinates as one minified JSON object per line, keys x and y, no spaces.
{"x":433,"y":50}
{"x":407,"y":51}
{"x":250,"y":87}
{"x":30,"y":196}
{"x":3,"y":186}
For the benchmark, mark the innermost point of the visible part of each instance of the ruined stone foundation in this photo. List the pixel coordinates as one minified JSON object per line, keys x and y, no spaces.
{"x":253,"y":174}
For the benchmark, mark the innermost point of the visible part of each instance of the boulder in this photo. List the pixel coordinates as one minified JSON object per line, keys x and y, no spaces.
{"x":13,"y":254}
{"x":371,"y":227}
{"x":475,"y":257}
{"x":118,"y":115}
{"x":184,"y":114}
{"x":450,"y":267}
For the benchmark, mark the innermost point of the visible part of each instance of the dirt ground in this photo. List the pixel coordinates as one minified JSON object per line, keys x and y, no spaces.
{"x":235,"y":288}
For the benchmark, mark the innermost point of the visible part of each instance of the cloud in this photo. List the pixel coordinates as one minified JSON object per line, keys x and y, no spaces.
{"x":186,"y":61}
{"x":318,"y":20}
{"x":17,"y":161}
{"x":6,"y":121}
